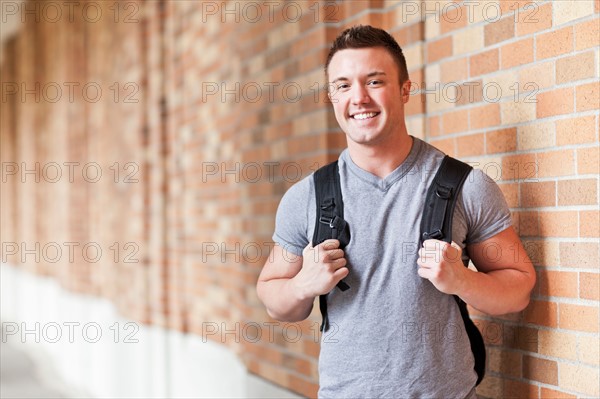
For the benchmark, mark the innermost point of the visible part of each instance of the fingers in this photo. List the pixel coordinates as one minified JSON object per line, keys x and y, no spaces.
{"x":436,"y":251}
{"x":332,"y":243}
{"x":341,"y":273}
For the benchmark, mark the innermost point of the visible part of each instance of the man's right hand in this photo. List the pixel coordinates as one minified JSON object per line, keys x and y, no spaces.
{"x":323,"y":267}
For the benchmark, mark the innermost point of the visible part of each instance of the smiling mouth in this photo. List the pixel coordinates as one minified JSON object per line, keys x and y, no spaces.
{"x":364,"y":115}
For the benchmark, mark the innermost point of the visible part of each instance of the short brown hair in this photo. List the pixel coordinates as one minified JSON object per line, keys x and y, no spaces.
{"x":365,"y":36}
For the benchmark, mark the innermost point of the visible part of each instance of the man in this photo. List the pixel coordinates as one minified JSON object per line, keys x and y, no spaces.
{"x":397,"y":332}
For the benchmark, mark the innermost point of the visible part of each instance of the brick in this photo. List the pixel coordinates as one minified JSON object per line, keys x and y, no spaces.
{"x":439,"y":49}
{"x":454,"y":70}
{"x":482,"y":10}
{"x":578,"y":192}
{"x":587,"y":160}
{"x":499,"y":31}
{"x":484,"y":116}
{"x":522,"y":338}
{"x":547,"y":393}
{"x":416,"y":105}
{"x":482,"y":63}
{"x":505,"y":362}
{"x":556,"y":163}
{"x":414,"y":56}
{"x":455,"y":121}
{"x":562,"y":284}
{"x":589,"y":224}
{"x":567,"y":11}
{"x":468,"y":40}
{"x":558,"y":344}
{"x":441,"y":100}
{"x":517,"y":390}
{"x":469,"y":93}
{"x":502,"y":87}
{"x":579,"y":130}
{"x":511,"y":194}
{"x":589,"y":348}
{"x":579,"y":254}
{"x":517,"y":53}
{"x":554,"y":43}
{"x":512,"y":7}
{"x":416,"y":77}
{"x":586,"y":34}
{"x":576,"y":67}
{"x":543,"y":253}
{"x":528,"y":224}
{"x":578,"y":317}
{"x":542,"y":313}
{"x":588,"y":97}
{"x":534,"y":19}
{"x":416,"y":127}
{"x":516,"y":112}
{"x":444,"y":145}
{"x":541,"y":370}
{"x":538,"y":74}
{"x":303,"y":386}
{"x":589,"y":286}
{"x":432,"y":74}
{"x":469,"y":145}
{"x":535,"y":136}
{"x":555,"y":102}
{"x":490,"y":387}
{"x":434,"y":126}
{"x":453,"y":18}
{"x":498,"y":141}
{"x":579,"y":378}
{"x":558,"y":224}
{"x":519,"y":167}
{"x":432,"y":28}
{"x":538,"y":194}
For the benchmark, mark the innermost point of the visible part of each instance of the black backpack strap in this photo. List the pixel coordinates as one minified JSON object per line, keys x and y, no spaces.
{"x":330,"y":221}
{"x":436,"y":222}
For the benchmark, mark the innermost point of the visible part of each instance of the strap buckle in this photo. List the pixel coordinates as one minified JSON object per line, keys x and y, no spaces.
{"x":327,"y":220}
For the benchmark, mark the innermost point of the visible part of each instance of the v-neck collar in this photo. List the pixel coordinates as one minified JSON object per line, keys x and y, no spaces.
{"x":383,"y":184}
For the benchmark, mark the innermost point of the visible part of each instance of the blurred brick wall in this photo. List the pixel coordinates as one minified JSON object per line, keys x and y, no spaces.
{"x":208,"y":113}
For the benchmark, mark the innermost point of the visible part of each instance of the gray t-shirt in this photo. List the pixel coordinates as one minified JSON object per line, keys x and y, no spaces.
{"x":393,"y":334}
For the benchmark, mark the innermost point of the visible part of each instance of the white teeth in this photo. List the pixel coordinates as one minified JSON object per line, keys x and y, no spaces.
{"x":366,"y":115}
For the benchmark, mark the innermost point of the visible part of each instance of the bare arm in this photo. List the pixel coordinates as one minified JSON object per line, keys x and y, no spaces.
{"x":505,"y":275}
{"x":504,"y":279}
{"x":288,"y":284}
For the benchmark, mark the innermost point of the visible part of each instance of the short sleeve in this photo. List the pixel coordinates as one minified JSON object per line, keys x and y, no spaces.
{"x":486,"y":209}
{"x":291,"y":221}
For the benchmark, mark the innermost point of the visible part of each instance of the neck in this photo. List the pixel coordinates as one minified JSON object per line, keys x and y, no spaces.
{"x":381,"y":160}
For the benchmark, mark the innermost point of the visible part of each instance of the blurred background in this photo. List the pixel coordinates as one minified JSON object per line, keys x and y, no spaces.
{"x":145,"y":146}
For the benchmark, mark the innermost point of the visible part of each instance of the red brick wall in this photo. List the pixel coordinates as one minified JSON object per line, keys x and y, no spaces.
{"x":208,"y":114}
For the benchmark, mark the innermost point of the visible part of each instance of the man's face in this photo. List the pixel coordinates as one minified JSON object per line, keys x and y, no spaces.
{"x":367,"y":98}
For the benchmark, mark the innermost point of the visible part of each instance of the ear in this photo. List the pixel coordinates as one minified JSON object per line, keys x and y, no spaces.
{"x":405,"y":90}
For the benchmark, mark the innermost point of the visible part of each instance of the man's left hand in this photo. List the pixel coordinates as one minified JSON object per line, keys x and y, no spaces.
{"x":441,"y":263}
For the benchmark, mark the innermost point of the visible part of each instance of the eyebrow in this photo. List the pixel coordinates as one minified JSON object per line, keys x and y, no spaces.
{"x":369,"y":75}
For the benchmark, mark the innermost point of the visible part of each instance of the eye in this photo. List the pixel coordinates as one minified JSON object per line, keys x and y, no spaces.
{"x":342,"y":86}
{"x":375,"y":83}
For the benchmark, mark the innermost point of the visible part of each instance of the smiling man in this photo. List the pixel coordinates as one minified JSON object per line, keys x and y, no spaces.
{"x":397,"y":332}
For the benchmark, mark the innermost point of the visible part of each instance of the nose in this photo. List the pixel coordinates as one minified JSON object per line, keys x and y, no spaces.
{"x":360,"y":95}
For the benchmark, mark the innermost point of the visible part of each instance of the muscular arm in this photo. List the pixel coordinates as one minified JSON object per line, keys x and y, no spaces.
{"x":504,"y":279}
{"x":505,"y":275}
{"x":276,"y":290}
{"x":288,"y":284}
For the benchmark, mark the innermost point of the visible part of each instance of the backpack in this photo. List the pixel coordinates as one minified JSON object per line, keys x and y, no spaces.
{"x":436,"y":222}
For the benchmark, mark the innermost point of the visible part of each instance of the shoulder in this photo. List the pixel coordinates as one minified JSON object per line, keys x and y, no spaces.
{"x":486,"y":210}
